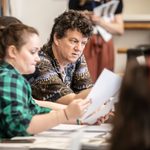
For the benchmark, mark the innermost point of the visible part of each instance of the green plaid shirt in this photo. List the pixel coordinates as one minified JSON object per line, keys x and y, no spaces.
{"x":16,"y":104}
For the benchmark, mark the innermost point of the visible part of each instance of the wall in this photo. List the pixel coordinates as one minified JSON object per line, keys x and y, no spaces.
{"x":136,"y":6}
{"x":132,"y":38}
{"x":40,"y":14}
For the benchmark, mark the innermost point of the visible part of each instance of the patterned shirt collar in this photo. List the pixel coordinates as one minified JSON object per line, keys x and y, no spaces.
{"x":50,"y":55}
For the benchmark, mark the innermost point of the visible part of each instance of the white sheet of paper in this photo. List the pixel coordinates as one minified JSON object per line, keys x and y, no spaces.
{"x":106,"y":86}
{"x":106,"y":9}
{"x":141,"y":60}
{"x":68,"y":127}
{"x":105,"y":35}
{"x":104,"y":127}
{"x":105,"y":109}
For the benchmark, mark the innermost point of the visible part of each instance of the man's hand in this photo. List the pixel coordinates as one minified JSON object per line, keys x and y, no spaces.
{"x":105,"y":119}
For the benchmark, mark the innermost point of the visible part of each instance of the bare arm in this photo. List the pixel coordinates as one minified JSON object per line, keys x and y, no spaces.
{"x":115,"y":27}
{"x":54,"y":106}
{"x":67,"y":99}
{"x":43,"y":122}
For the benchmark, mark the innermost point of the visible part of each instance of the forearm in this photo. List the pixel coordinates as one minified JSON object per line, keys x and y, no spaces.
{"x":45,"y":121}
{"x":114,"y":27}
{"x":42,"y":122}
{"x":83,"y":94}
{"x":52,"y":105}
{"x":67,"y":99}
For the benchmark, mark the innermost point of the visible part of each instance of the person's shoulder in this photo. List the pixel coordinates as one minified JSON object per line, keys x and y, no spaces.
{"x":45,"y":59}
{"x":11,"y":75}
{"x":81,"y":60}
{"x":45,"y":65}
{"x":7,"y":71}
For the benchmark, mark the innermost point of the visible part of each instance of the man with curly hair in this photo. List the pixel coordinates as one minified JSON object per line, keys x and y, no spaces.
{"x":62,"y":75}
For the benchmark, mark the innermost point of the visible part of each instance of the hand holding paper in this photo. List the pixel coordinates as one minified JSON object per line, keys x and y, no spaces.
{"x":106,"y":86}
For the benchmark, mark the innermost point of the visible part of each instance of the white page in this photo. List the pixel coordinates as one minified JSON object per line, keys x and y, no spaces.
{"x":113,"y":6}
{"x":106,"y":86}
{"x":106,"y":9}
{"x":99,"y":10}
{"x":105,"y":34}
{"x":68,"y":127}
{"x":105,"y":109}
{"x":141,"y":60}
{"x":104,"y":127}
{"x":58,"y":143}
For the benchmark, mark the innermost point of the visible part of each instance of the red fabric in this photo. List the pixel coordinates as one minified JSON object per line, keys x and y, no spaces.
{"x":147,"y":60}
{"x":99,"y":55}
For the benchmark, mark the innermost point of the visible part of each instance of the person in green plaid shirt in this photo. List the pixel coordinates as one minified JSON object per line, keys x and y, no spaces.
{"x":20,"y":114}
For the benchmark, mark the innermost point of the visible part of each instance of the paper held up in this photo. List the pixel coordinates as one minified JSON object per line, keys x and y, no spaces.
{"x":106,"y":10}
{"x":106,"y":87}
{"x":104,"y":34}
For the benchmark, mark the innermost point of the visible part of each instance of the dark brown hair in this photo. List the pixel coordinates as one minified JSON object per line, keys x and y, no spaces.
{"x":70,"y":20}
{"x":132,"y":120}
{"x":14,"y":34}
{"x":7,"y":20}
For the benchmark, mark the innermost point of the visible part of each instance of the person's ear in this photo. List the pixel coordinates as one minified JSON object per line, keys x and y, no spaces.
{"x":12,"y":51}
{"x":56,"y":40}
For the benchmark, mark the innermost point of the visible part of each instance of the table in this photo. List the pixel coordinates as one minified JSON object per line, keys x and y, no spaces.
{"x":64,"y":137}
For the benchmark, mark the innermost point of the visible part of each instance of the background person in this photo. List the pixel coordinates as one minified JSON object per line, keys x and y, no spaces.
{"x":131,"y":122}
{"x":99,"y":52}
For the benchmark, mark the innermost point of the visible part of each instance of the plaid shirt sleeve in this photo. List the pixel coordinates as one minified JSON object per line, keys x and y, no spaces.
{"x":17,"y":106}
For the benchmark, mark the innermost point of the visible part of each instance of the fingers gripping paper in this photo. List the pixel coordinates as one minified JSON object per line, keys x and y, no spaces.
{"x":106,"y":86}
